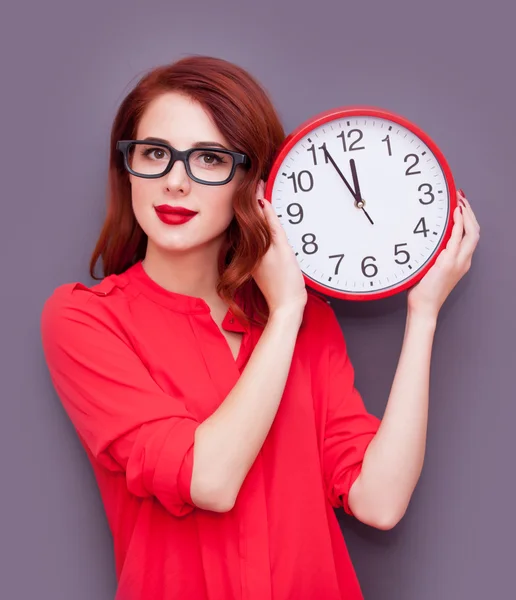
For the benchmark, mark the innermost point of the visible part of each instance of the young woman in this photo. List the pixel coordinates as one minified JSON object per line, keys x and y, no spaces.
{"x":212,"y":393}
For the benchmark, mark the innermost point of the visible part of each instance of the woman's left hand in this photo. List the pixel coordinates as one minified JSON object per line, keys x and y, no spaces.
{"x":427,"y":296}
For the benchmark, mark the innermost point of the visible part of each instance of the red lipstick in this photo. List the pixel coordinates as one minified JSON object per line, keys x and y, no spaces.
{"x":174,"y":215}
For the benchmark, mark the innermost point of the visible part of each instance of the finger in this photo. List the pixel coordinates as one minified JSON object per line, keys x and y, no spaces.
{"x":271,"y":216}
{"x":470,"y":223}
{"x":260,"y":197}
{"x":269,"y":213}
{"x":473,"y":216}
{"x":470,"y":240}
{"x":278,"y":231}
{"x":453,"y":244}
{"x":260,"y":189}
{"x":466,"y":203}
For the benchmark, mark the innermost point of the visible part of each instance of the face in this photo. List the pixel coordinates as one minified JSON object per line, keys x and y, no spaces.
{"x":183,"y":123}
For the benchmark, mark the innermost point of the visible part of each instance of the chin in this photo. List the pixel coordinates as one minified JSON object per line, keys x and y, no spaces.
{"x":186,"y":243}
{"x":177,"y":244}
{"x":185,"y":237}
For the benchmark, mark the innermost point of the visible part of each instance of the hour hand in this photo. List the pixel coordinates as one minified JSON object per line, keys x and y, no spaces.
{"x":358,"y":194}
{"x":359,"y":201}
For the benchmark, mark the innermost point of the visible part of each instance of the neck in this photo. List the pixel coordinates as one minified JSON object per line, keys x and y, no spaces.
{"x":193,"y":273}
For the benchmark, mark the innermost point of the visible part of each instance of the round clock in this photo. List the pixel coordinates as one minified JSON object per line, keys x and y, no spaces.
{"x":366,"y":199}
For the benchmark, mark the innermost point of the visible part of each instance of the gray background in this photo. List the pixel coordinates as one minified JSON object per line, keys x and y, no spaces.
{"x":446,"y":65}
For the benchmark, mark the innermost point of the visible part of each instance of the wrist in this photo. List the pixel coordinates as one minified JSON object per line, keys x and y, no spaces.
{"x":288,"y":314}
{"x":423,"y":318}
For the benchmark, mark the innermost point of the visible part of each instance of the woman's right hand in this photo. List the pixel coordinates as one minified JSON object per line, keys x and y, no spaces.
{"x":278,"y":274}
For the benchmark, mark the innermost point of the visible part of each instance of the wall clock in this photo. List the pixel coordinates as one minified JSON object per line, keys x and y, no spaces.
{"x":366,"y":199}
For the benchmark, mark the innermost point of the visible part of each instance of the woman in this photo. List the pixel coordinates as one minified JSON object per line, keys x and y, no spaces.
{"x":212,"y":393}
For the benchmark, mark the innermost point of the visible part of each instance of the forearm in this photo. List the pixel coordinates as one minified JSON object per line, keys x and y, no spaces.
{"x":394,"y":459}
{"x":227,"y":443}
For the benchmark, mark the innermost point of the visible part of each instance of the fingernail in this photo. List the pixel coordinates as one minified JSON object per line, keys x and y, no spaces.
{"x":260,"y":202}
{"x":460,"y":208}
{"x":461,"y":192}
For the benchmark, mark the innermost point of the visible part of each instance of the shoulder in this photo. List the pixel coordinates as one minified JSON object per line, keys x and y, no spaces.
{"x":318,"y":311}
{"x":74,"y":304}
{"x":321,"y":326}
{"x":317,"y":319}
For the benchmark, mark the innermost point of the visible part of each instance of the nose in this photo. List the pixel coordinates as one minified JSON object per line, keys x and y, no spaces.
{"x":177,"y":178}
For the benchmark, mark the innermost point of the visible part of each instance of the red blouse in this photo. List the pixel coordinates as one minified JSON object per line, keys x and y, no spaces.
{"x":137,"y":369}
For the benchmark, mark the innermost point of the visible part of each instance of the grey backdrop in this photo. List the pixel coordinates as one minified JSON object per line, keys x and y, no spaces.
{"x":446,"y":65}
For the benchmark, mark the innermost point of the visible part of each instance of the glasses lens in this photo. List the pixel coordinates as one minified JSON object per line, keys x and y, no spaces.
{"x":148,"y":159}
{"x":210,"y":166}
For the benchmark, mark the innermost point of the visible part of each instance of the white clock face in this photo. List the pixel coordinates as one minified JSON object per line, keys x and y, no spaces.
{"x":381,"y":230}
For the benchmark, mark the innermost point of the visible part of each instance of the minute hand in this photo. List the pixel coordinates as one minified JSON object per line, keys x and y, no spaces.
{"x":355,"y":193}
{"x":330,"y":158}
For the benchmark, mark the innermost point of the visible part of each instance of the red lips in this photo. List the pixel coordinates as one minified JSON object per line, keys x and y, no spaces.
{"x":175,"y":210}
{"x":174,"y":215}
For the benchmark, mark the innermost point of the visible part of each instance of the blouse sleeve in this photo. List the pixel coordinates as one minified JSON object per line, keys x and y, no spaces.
{"x":123,"y":417}
{"x":349,"y":428}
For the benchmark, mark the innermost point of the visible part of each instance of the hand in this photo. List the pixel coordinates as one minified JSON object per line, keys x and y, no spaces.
{"x":359,"y":203}
{"x":278,"y":274}
{"x":427,"y":296}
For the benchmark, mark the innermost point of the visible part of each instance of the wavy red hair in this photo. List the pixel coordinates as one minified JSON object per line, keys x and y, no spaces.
{"x":245,"y":115}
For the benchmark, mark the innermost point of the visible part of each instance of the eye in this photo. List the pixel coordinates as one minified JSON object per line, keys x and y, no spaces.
{"x":156,"y":153}
{"x":209,"y":158}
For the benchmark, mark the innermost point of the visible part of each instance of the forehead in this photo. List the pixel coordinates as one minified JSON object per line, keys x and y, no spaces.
{"x":178,"y":119}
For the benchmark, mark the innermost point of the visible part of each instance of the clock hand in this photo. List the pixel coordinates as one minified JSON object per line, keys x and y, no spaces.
{"x":355,"y":181}
{"x":353,"y":192}
{"x":367,"y":215}
{"x":359,"y":202}
{"x":329,"y":156}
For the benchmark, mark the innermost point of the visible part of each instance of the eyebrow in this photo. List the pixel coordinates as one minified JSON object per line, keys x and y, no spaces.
{"x":196,"y":145}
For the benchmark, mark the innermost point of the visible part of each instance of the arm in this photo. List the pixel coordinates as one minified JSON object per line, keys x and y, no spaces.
{"x":394,"y":459}
{"x":348,"y":427}
{"x":123,"y":418}
{"x":130,"y":425}
{"x":227,"y":443}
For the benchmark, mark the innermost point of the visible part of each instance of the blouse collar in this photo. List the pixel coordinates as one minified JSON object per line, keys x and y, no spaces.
{"x":183,"y":303}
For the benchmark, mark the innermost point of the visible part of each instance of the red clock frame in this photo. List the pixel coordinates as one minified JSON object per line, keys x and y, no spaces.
{"x":368,"y":111}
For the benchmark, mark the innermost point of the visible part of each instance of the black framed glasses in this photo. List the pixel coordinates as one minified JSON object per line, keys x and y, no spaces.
{"x":209,"y":166}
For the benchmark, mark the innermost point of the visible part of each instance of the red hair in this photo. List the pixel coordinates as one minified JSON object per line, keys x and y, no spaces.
{"x":244,"y":114}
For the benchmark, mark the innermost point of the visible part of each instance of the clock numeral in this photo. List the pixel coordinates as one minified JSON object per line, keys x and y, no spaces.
{"x":424,"y":229}
{"x":312,"y":150}
{"x":427,"y":193}
{"x":314,"y":154}
{"x":397,"y":252}
{"x":298,"y":181}
{"x":373,"y":269}
{"x":352,"y":147}
{"x":409,"y":169}
{"x":388,"y":140}
{"x":309,"y":242}
{"x":299,"y":213}
{"x":340,"y":257}
{"x":360,"y":136}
